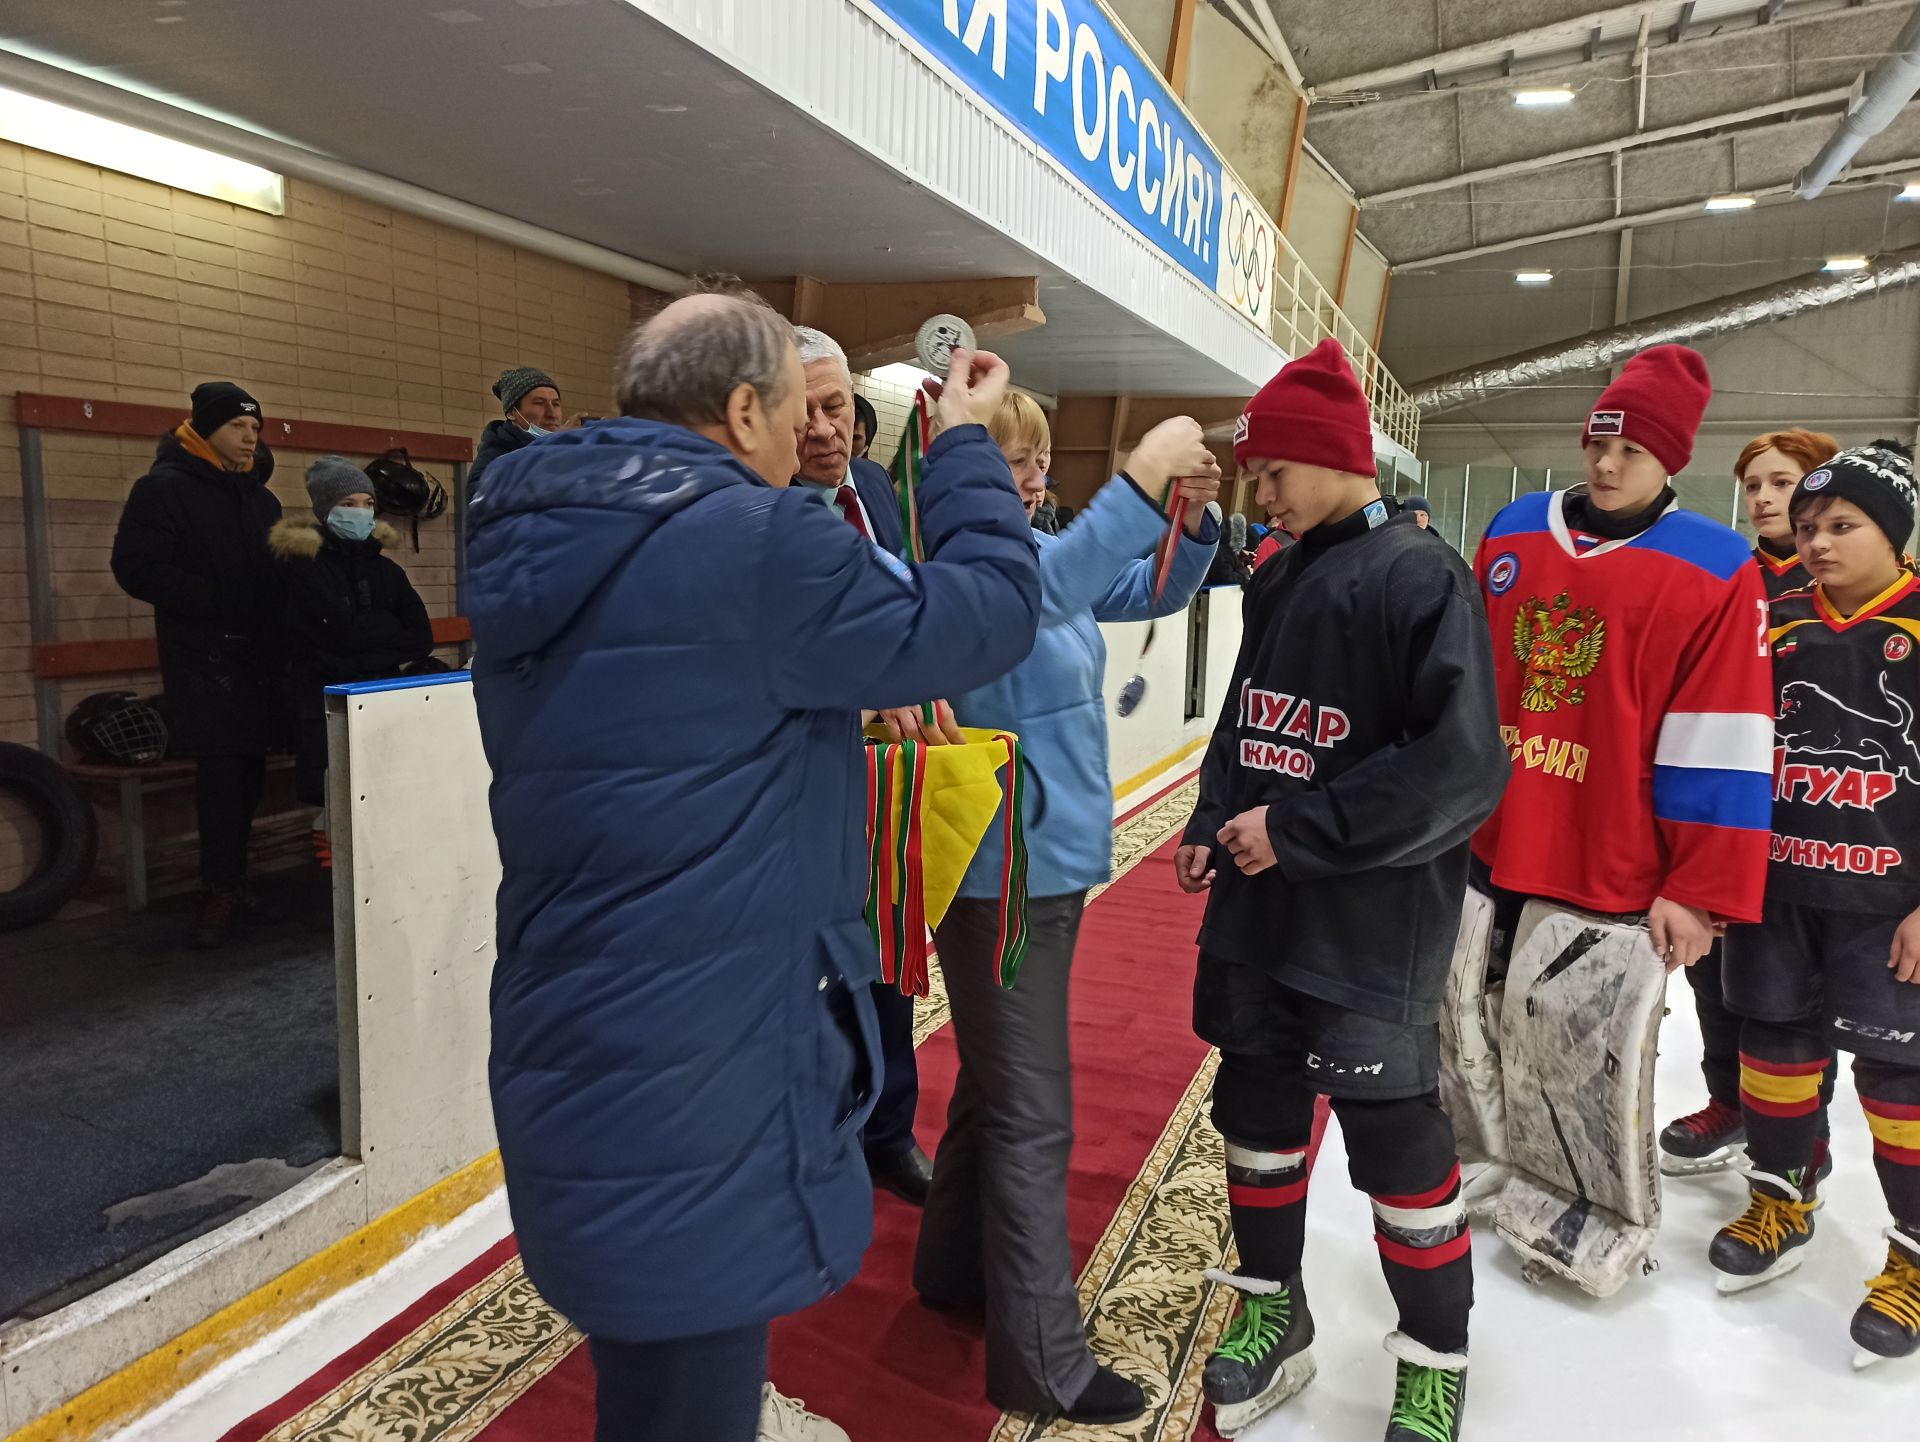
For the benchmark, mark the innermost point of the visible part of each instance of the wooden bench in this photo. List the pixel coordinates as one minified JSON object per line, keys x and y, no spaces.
{"x":64,"y":660}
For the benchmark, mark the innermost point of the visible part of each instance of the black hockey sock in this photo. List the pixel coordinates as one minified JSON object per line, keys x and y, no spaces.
{"x":1401,"y":1153}
{"x":1890,"y":1096}
{"x":1265,"y":1113}
{"x":1784,"y":1076}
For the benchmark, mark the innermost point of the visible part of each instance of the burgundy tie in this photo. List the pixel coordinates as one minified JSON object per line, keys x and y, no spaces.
{"x":848,"y":500}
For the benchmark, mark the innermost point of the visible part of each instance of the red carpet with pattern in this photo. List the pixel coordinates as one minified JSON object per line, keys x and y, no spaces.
{"x":871,"y":1356}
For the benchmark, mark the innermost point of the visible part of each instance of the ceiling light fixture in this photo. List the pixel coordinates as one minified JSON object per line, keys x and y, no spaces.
{"x":1558,"y":95}
{"x":1911,"y":192}
{"x":1730,"y":202}
{"x":1839,"y":263}
{"x":42,"y":125}
{"x":1533,"y":277}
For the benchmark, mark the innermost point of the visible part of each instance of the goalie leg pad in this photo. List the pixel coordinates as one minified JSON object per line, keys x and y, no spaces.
{"x":1579,"y":1033}
{"x":1470,"y":1084}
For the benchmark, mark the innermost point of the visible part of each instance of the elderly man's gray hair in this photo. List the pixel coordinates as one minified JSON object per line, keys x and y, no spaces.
{"x":817,"y":345}
{"x":680,"y":366}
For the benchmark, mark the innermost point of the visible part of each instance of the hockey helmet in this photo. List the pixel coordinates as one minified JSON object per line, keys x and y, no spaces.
{"x":119,"y":728}
{"x":401,"y":489}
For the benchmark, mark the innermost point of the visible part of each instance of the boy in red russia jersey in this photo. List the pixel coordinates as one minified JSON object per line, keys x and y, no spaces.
{"x":1630,"y":651}
{"x":1768,"y":469}
{"x":1836,"y":963}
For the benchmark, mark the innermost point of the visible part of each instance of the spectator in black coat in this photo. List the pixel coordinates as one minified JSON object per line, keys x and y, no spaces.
{"x":529,"y":407}
{"x":352,"y":614}
{"x":193,"y":543}
{"x":866,"y":425}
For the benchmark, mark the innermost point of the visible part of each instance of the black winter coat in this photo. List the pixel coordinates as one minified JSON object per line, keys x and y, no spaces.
{"x":500,"y":438}
{"x":352,"y":615}
{"x":193,"y":543}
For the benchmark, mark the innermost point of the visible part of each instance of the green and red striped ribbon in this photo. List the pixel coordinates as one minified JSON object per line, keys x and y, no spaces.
{"x":896,"y":888}
{"x":1011,"y":949}
{"x":908,"y":463}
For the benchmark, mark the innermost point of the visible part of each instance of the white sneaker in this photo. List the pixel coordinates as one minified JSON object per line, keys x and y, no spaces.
{"x":786,"y":1419}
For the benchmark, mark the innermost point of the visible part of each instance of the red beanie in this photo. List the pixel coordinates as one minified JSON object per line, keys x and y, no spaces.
{"x":1657,"y":403}
{"x":1313,"y":413}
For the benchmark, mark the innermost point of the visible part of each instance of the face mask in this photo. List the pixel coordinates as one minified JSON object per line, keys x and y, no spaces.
{"x":351,"y":523}
{"x":531,"y":429}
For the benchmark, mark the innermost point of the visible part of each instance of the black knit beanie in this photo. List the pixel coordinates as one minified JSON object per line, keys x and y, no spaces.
{"x":217,"y":402}
{"x":1877,"y":478}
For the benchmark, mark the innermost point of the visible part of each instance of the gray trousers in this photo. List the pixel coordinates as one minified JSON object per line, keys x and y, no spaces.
{"x":995,"y":1227}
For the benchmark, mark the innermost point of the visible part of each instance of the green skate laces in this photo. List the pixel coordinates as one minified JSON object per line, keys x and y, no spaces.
{"x":1424,"y":1400}
{"x":1257,"y":1326}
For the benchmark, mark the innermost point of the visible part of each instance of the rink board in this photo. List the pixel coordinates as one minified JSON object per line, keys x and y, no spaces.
{"x":415,"y":876}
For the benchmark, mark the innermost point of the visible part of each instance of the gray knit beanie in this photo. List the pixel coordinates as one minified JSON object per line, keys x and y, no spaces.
{"x":331,"y":479}
{"x":513,"y":385}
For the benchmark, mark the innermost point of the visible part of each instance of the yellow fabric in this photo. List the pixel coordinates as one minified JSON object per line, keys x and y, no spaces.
{"x":1893,"y":1131}
{"x":962,"y":793}
{"x":1781,"y":1090}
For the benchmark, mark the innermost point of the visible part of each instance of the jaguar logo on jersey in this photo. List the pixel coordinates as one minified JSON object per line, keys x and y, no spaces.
{"x":1501,"y":575}
{"x":1817,"y":736}
{"x":1558,"y":644}
{"x":1898,"y":648}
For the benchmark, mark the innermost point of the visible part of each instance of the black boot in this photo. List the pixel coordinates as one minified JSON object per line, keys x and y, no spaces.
{"x":218,"y":908}
{"x":908,"y":1175}
{"x":1106,"y":1401}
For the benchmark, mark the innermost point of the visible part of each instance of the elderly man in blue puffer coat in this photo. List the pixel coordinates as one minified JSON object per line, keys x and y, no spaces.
{"x":672,"y":654}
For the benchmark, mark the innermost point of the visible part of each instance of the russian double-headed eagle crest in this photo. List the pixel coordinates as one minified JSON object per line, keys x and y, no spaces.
{"x":1559,"y":645}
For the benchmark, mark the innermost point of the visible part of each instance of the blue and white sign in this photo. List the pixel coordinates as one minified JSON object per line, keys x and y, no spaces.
{"x":1066,"y":76}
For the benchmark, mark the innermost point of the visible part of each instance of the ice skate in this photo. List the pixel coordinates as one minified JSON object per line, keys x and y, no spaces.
{"x":1766,"y":1241}
{"x":1703,"y":1141}
{"x":1887,"y":1325}
{"x":1263,"y":1357}
{"x":1429,"y":1392}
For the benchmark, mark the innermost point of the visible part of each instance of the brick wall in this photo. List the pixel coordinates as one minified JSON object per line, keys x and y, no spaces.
{"x":118,"y":289}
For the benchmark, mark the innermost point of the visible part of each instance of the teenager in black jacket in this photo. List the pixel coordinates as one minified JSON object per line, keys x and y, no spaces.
{"x":1358,"y":752}
{"x":192,"y":543}
{"x":351,"y":612}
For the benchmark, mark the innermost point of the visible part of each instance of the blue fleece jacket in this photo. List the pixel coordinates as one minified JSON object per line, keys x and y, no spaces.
{"x":1099,"y":569}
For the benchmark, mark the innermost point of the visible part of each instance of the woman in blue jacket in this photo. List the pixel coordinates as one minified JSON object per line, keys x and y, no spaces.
{"x":995,"y":1230}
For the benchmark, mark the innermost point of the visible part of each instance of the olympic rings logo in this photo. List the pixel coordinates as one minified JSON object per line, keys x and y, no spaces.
{"x":1249,"y":245}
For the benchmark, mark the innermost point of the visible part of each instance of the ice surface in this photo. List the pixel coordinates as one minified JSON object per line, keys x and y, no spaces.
{"x":1667,"y":1357}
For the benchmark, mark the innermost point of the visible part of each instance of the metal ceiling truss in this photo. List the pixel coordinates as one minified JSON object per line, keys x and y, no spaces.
{"x":1769,"y":195}
{"x":1638,"y":140}
{"x":1563,"y":43}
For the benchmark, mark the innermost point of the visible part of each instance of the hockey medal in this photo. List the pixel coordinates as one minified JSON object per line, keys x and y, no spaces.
{"x":940,"y":336}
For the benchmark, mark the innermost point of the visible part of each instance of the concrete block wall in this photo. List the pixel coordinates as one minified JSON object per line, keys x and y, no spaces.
{"x":115,"y":288}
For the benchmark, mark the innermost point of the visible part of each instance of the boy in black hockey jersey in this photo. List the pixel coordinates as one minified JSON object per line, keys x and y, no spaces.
{"x":1359,"y":750}
{"x":1769,"y":470}
{"x":1836,"y":960}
